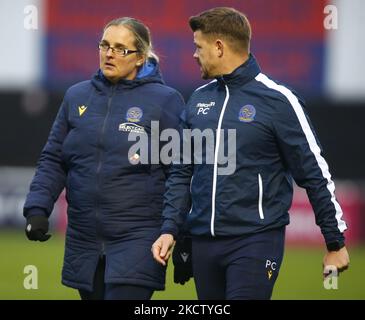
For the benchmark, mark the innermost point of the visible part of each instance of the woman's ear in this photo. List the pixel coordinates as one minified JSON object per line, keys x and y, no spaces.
{"x":141,"y":60}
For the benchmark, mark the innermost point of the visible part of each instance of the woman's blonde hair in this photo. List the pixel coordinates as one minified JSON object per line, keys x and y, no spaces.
{"x":143,"y":41}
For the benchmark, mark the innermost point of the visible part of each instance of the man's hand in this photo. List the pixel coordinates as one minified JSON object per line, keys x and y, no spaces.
{"x":340,"y":259}
{"x":162,"y":247}
{"x":181,"y":257}
{"x":36,"y":228}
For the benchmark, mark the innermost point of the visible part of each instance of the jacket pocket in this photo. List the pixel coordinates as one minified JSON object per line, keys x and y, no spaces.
{"x":261,"y":193}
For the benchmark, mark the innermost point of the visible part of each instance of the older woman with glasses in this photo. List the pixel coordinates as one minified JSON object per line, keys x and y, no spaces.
{"x":114,"y":200}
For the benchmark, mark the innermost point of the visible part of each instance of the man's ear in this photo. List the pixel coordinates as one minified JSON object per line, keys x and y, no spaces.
{"x":219,"y":45}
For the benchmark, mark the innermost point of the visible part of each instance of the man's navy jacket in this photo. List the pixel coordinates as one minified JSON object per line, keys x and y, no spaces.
{"x":275,"y":141}
{"x":111,"y":201}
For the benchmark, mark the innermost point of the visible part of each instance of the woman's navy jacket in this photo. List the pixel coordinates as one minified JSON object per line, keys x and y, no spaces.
{"x":114,"y":204}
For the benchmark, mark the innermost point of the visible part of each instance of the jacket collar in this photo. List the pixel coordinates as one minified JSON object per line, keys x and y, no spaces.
{"x":242,"y":74}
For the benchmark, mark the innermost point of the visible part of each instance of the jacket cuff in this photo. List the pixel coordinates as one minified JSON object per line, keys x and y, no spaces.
{"x":170,"y":227}
{"x":35,"y":212}
{"x":333,"y":237}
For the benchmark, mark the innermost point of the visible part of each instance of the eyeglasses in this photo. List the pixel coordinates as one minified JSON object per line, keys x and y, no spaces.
{"x":119,"y":51}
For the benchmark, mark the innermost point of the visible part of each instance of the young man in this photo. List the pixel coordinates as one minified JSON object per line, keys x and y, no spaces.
{"x":237,"y":221}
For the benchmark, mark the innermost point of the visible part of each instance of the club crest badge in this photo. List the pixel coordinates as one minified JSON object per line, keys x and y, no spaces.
{"x":247,"y":113}
{"x":134,"y":114}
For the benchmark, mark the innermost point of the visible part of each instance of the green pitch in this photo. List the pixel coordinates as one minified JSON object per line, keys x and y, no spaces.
{"x":300,"y":276}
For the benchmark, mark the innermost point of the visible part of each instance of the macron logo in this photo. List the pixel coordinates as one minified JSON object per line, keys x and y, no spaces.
{"x":184,"y":256}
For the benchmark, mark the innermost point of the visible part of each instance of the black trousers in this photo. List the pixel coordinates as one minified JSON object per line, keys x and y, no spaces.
{"x":238,"y":268}
{"x":109,"y":291}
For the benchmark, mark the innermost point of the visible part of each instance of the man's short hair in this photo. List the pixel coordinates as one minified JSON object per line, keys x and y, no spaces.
{"x":227,"y":23}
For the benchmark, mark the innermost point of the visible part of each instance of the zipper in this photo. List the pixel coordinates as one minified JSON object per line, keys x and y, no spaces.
{"x":103,"y":131}
{"x":261,"y":191}
{"x":98,"y":168}
{"x":191,"y":185}
{"x":215,"y":167}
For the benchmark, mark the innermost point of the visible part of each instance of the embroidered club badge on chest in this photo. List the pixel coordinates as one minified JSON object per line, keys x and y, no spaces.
{"x":247,"y":113}
{"x":134,"y":114}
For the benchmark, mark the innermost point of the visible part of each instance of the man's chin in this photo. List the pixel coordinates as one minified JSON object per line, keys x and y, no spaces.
{"x":206,"y":76}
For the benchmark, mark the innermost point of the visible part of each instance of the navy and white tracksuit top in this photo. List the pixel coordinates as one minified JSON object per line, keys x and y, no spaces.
{"x":275,"y":141}
{"x":114,"y":206}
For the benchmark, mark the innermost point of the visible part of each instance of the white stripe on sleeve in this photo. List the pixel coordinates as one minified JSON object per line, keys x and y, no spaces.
{"x":311,"y":141}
